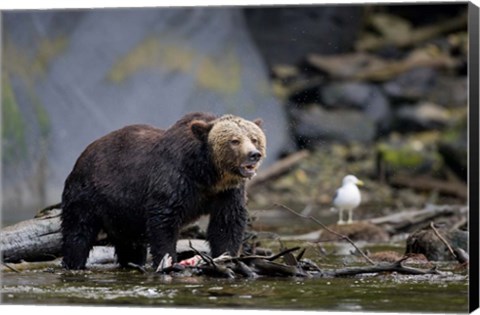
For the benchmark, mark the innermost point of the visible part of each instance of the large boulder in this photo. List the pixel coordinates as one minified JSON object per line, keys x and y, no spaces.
{"x":425,"y":241}
{"x":285,"y":35}
{"x":313,"y":126}
{"x":72,"y":76}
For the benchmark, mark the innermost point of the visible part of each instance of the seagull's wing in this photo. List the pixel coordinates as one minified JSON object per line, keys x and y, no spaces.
{"x":336,"y":195}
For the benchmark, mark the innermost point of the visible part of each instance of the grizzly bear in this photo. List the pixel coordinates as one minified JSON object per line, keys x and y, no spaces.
{"x":141,"y":184}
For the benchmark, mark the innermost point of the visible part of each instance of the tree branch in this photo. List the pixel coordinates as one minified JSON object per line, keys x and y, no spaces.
{"x":382,"y":267}
{"x":344,"y":237}
{"x":444,"y":241}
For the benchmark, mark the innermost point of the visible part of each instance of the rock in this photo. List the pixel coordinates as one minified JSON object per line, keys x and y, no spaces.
{"x":426,"y":242}
{"x":367,"y":97}
{"x":423,"y":116}
{"x":314,"y":126}
{"x":357,"y":231}
{"x":308,"y":93}
{"x":427,"y":84}
{"x":449,"y":91}
{"x":346,"y":66}
{"x":385,"y":256}
{"x":453,"y":147}
{"x":411,"y":85}
{"x":411,"y":156}
{"x":285,"y":35}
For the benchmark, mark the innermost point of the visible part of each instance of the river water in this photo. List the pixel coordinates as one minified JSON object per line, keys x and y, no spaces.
{"x":107,"y":285}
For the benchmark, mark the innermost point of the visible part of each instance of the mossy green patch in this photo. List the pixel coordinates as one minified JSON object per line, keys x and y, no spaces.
{"x":41,"y":114}
{"x":13,"y":124}
{"x":406,"y":157}
{"x":28,"y":69}
{"x":400,"y":157}
{"x":221,"y":74}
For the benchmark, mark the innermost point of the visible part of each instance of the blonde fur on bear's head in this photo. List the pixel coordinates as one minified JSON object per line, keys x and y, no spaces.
{"x":238,"y":147}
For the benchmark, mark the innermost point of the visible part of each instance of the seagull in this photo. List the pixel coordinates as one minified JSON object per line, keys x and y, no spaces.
{"x":347,"y":197}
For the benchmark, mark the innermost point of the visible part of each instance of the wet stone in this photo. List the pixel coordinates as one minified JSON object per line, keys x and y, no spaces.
{"x":420,"y":117}
{"x":316,"y":125}
{"x":412,"y":85}
{"x":450,"y":91}
{"x":363,"y":96}
{"x":426,"y":242}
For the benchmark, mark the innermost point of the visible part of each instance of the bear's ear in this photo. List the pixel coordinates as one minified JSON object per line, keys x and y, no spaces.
{"x":259,"y":122}
{"x":200,"y":129}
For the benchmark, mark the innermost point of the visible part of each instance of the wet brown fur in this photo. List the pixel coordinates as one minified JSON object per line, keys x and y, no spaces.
{"x":141,"y":184}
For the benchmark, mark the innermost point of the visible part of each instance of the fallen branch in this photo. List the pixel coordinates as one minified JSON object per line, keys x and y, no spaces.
{"x":11,"y":268}
{"x":263,"y":266}
{"x":417,"y":36}
{"x":368,"y":67}
{"x":341,"y":236}
{"x":429,"y":183}
{"x":405,"y":220}
{"x":381,"y":267}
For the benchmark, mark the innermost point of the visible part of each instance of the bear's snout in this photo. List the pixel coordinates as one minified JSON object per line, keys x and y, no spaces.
{"x":254,"y":156}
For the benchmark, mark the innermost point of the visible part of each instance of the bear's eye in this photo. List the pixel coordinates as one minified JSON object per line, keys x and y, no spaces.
{"x":235,"y":142}
{"x":254,"y":141}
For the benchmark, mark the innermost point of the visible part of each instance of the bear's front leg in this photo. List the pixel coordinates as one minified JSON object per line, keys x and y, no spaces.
{"x":163,"y":230}
{"x":228,"y":219}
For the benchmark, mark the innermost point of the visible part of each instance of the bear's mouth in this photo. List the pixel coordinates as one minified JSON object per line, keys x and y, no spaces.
{"x":248,"y":169}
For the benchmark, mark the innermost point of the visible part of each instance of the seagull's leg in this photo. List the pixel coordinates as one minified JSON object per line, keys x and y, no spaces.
{"x":350,"y":215}
{"x":340,"y":219}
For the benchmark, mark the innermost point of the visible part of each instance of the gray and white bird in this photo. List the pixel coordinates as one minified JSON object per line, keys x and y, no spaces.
{"x":347,"y":197}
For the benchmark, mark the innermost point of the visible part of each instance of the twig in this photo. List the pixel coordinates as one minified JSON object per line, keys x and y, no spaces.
{"x":344,"y":237}
{"x":459,"y":224}
{"x":45,"y":210}
{"x":11,"y":268}
{"x":269,"y":267}
{"x":282,"y":253}
{"x":213,"y":268}
{"x":444,"y":241}
{"x":207,"y":259}
{"x":396,"y":266}
{"x":137,"y":267}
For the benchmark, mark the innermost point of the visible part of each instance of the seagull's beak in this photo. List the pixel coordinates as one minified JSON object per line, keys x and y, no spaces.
{"x":360,"y":183}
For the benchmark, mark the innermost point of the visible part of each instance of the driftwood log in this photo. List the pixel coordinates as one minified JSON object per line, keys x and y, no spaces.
{"x":417,"y":36}
{"x":410,"y":220}
{"x":40,"y":239}
{"x":32,"y":240}
{"x":428,"y":183}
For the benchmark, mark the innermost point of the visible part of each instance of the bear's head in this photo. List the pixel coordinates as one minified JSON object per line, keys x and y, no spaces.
{"x":237,"y":145}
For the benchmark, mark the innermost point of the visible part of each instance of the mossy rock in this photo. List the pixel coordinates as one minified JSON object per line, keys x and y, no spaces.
{"x":426,"y":242}
{"x":13,"y":125}
{"x":411,"y":157}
